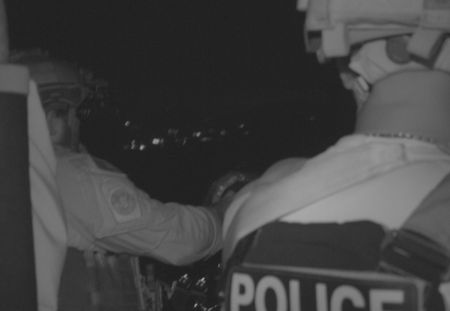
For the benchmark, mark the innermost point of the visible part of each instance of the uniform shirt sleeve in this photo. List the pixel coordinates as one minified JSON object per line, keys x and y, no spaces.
{"x":106,"y":211}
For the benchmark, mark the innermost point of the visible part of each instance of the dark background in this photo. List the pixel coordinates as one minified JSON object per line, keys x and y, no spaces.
{"x":203,"y":86}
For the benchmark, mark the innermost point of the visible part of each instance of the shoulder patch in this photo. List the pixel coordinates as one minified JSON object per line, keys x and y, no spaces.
{"x":124,"y":205}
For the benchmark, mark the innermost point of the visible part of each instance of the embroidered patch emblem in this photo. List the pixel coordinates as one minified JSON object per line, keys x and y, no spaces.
{"x":124,"y":205}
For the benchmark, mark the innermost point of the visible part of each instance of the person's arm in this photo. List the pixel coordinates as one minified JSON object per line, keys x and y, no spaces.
{"x":106,"y":211}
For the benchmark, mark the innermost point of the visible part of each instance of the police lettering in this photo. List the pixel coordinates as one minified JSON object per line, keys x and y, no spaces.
{"x":286,"y":295}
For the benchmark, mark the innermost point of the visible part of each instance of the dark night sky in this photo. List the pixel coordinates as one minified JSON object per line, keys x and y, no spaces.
{"x":194,"y":52}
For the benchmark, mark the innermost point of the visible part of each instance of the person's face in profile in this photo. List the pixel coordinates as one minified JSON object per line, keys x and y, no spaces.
{"x":58,"y":121}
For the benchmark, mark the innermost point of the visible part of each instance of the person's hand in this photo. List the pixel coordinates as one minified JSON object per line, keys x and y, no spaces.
{"x":223,"y":190}
{"x":221,"y":206}
{"x":228,"y":184}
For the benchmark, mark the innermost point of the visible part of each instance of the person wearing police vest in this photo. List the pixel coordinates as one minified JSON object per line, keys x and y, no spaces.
{"x":104,"y":210}
{"x":365,"y":225}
